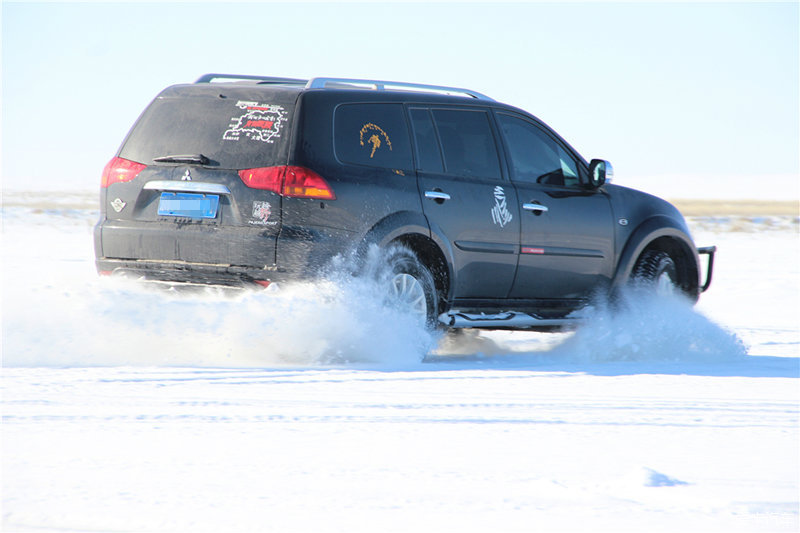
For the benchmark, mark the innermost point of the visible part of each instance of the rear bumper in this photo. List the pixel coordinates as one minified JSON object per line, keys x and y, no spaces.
{"x":197,"y":273}
{"x":184,"y":241}
{"x":302,"y":255}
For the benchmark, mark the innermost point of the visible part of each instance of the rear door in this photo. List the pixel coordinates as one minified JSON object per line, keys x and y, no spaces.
{"x":567,"y":240}
{"x":465,"y":197}
{"x":191,"y":202}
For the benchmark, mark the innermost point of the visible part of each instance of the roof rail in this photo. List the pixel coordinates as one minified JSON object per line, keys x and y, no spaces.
{"x":209,"y":78}
{"x":321,"y":83}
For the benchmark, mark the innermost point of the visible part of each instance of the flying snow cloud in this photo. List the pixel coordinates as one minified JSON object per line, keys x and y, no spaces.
{"x":58,"y":313}
{"x":112,"y":322}
{"x":646,"y":327}
{"x":107,"y":322}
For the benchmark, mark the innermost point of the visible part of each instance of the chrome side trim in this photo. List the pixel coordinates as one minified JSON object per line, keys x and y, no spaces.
{"x":186,"y":186}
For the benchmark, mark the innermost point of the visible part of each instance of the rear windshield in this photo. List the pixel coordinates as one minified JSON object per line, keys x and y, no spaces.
{"x":231,"y":132}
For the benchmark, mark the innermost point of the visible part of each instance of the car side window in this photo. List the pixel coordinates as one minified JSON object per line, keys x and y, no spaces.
{"x":467,"y":143}
{"x":374,"y":135}
{"x":535,"y":156}
{"x":429,"y":156}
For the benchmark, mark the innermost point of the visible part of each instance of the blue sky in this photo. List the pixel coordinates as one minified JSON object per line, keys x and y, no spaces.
{"x":699,"y":91}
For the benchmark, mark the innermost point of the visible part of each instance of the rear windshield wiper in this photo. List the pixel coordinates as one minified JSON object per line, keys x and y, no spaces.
{"x":190,"y":158}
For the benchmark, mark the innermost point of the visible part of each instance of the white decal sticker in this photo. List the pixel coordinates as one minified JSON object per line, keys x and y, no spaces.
{"x":260,"y":122}
{"x":261,"y":213}
{"x":500,"y":213}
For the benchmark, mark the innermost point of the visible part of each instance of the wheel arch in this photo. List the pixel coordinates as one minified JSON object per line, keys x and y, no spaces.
{"x":411,"y":230}
{"x":661,"y":233}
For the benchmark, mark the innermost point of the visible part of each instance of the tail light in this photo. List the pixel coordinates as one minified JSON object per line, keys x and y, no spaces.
{"x":120,"y":170}
{"x":291,"y":181}
{"x":265,"y":178}
{"x":301,"y":182}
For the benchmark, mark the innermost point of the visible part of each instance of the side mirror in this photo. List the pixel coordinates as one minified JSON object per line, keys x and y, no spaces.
{"x":600,"y":172}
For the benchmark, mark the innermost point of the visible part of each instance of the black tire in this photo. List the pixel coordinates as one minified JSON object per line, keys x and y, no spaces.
{"x":656,"y":271}
{"x":411,"y":284}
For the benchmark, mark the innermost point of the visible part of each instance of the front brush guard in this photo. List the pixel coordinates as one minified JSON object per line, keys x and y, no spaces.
{"x":709,"y":251}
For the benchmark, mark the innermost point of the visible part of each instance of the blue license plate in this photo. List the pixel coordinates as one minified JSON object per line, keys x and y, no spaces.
{"x":182,"y":204}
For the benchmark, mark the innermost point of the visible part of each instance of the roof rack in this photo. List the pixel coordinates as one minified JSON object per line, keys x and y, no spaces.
{"x":347,"y":83}
{"x":321,"y":83}
{"x":210,"y":78}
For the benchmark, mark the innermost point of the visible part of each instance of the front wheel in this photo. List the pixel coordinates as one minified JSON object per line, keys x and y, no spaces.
{"x":411,"y":287}
{"x":657,"y":272}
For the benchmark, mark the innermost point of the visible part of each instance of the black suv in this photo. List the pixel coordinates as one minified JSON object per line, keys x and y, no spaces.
{"x":489,"y":218}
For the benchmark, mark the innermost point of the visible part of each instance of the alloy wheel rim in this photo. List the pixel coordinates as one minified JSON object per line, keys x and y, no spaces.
{"x":410,"y":294}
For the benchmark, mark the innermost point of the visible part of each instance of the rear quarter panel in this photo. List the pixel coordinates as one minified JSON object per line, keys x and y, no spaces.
{"x":365,"y":196}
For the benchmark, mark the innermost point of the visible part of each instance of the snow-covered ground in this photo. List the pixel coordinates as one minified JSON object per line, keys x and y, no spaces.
{"x":316,"y":409}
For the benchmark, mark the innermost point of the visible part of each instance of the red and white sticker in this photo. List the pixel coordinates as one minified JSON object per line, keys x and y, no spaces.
{"x":261,"y":213}
{"x":532,"y":250}
{"x":258,"y":122}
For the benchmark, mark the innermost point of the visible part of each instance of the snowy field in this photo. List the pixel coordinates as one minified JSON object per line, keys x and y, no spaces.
{"x":313,"y":408}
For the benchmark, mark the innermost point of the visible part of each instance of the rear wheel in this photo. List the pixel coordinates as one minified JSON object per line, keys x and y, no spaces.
{"x":656,"y":271}
{"x":411,"y":286}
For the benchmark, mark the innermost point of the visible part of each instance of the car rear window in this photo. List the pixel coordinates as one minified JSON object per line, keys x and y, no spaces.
{"x":374,"y":135}
{"x":231,"y":132}
{"x":467,"y":143}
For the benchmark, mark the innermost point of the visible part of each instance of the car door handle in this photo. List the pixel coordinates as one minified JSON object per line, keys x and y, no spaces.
{"x":538,"y":208}
{"x":437,"y":195}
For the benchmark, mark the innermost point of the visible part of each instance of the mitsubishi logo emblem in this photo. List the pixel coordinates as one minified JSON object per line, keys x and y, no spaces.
{"x":186,"y":176}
